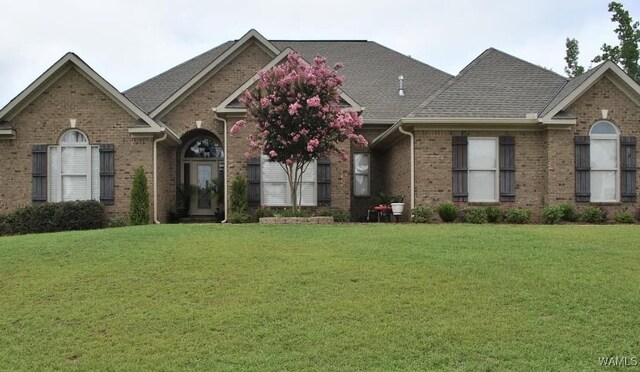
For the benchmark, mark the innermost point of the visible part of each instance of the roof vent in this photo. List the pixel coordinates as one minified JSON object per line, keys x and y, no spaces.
{"x":401,"y":86}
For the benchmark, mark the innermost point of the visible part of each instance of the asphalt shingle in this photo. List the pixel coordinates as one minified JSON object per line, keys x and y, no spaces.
{"x":371,"y":76}
{"x":494,"y":85}
{"x":151,"y":93}
{"x":568,"y":88}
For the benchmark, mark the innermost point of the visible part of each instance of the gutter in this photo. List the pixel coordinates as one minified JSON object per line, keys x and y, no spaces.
{"x":155,"y":176}
{"x":412,"y":164}
{"x":226,"y":155}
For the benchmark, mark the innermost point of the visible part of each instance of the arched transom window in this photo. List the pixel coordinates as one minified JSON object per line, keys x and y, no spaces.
{"x":604,"y":162}
{"x":205,"y":147}
{"x":74,"y":169}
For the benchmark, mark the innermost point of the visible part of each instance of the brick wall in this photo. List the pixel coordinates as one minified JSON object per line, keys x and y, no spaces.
{"x":166,"y":180}
{"x":45,"y":119}
{"x":622,"y":112}
{"x":434,"y":176}
{"x":396,"y":176}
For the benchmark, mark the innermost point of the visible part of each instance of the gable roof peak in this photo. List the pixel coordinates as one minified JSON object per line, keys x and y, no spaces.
{"x":505,"y":54}
{"x":577,"y":86}
{"x":494,"y":85}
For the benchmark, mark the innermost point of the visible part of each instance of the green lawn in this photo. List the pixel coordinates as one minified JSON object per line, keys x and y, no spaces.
{"x":378,"y":296}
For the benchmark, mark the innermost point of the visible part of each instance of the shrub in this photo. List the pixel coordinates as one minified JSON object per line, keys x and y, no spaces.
{"x":421,"y":214}
{"x":518,"y":216}
{"x":624,"y":217}
{"x":494,"y":214}
{"x":5,"y":227}
{"x":239,"y":217}
{"x":476,"y":215}
{"x":337,"y":214}
{"x":592,"y":215}
{"x":239,"y":208}
{"x":324,"y":212}
{"x":264,"y":212}
{"x":139,"y":209}
{"x":552,"y":214}
{"x":341,"y":216}
{"x":568,"y":212}
{"x":117,"y":221}
{"x":293,"y":213}
{"x":52,"y":217}
{"x":448,"y":212}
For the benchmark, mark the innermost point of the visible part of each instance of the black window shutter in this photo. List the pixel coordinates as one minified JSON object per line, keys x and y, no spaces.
{"x":459,"y":168}
{"x":107,"y":174}
{"x":507,"y":161}
{"x":253,"y":181}
{"x":39,"y":173}
{"x":583,"y":169}
{"x":628,"y":191}
{"x":324,"y":181}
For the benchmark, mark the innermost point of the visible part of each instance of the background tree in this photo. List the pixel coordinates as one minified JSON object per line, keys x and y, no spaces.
{"x":296,"y":106}
{"x":572,"y":69}
{"x":626,"y":54}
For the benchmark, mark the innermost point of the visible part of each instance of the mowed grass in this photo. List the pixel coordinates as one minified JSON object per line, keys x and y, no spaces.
{"x":343,"y":297}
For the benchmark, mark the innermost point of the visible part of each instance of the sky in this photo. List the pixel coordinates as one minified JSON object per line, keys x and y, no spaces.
{"x":129,"y":41}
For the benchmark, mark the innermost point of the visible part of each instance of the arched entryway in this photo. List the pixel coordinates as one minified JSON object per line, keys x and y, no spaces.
{"x":201,"y":171}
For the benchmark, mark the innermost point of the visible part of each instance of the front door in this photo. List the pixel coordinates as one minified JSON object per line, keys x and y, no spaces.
{"x":203,"y":177}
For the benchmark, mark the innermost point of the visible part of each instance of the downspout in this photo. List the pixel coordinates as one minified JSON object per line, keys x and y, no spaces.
{"x":226,"y":155}
{"x":155,"y":176}
{"x":412,"y":164}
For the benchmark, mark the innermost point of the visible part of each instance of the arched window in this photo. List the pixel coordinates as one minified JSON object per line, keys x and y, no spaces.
{"x":604,"y":161}
{"x":74,"y":168}
{"x":204,"y":148}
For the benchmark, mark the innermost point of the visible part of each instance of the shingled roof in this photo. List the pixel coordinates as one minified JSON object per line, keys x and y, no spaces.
{"x":151,"y":93}
{"x":371,"y":76}
{"x":494,"y":85}
{"x":568,"y":88}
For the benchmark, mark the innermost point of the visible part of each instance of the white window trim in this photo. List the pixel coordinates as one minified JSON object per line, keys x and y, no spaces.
{"x":616,"y":137}
{"x":288,"y":202}
{"x":368,"y":174}
{"x":59,"y":174}
{"x":496,"y":181}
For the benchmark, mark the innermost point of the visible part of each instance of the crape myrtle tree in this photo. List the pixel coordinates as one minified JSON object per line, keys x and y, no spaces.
{"x":296,"y":108}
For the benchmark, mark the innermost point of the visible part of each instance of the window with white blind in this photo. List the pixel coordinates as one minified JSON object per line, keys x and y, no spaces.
{"x":604,"y":162}
{"x":483,"y":169}
{"x":361,"y":175}
{"x":74,"y":169}
{"x":276,"y":191}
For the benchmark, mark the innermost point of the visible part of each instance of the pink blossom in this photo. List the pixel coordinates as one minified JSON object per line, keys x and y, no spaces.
{"x":313,"y":101}
{"x":235,"y":129}
{"x":310,"y":148}
{"x":265,"y":102}
{"x":313,"y":143}
{"x":293,"y":108}
{"x":273,"y":154}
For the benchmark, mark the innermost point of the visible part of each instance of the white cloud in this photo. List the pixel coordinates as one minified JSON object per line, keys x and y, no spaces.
{"x":129,"y":41}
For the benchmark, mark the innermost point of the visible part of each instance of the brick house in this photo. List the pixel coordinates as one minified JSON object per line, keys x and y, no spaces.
{"x":502,"y":132}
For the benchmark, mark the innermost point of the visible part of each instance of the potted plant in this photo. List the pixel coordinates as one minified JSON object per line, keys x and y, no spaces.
{"x":397,"y":204}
